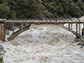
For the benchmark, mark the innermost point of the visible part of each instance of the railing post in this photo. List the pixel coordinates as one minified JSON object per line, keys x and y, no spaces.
{"x":21,"y":27}
{"x":4,"y":31}
{"x":69,"y":26}
{"x":76,"y":28}
{"x":79,"y":28}
{"x":83,"y":25}
{"x":13,"y":27}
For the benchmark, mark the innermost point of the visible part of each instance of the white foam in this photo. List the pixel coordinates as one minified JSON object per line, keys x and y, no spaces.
{"x":43,"y":44}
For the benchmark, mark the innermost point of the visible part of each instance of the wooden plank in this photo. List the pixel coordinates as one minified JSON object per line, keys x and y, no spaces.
{"x":21,"y":27}
{"x":1,"y":27}
{"x":76,"y":28}
{"x":13,"y":27}
{"x":39,"y":21}
{"x":79,"y":28}
{"x":4,"y":31}
{"x":83,"y":25}
{"x":69,"y":26}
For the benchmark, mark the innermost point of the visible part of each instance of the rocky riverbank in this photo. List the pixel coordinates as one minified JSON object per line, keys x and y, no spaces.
{"x":1,"y":54}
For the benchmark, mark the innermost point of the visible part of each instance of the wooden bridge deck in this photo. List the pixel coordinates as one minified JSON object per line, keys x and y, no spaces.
{"x":40,"y":21}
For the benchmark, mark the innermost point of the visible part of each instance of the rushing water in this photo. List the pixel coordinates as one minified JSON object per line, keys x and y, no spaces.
{"x":44,"y":44}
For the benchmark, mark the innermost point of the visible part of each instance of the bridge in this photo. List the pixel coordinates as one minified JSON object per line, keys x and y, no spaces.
{"x":4,"y":22}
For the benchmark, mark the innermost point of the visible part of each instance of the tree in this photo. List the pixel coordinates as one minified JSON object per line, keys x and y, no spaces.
{"x":27,"y":9}
{"x":4,"y":11}
{"x":74,"y":11}
{"x":40,"y":9}
{"x":2,"y":1}
{"x":75,"y":1}
{"x":65,"y":4}
{"x":81,"y":6}
{"x":13,"y":15}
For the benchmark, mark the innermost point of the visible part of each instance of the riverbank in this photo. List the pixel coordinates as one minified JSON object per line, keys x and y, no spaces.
{"x":2,"y":52}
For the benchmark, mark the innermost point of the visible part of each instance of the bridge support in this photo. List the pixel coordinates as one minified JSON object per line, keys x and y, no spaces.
{"x":2,"y":31}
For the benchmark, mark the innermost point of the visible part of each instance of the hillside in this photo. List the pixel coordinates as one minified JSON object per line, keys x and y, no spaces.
{"x":41,"y":9}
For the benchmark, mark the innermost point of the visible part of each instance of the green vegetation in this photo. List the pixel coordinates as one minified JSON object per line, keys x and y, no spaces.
{"x":1,"y":59}
{"x":41,"y":9}
{"x":4,"y":11}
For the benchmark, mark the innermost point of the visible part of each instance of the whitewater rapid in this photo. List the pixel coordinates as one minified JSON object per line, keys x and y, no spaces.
{"x":44,"y":44}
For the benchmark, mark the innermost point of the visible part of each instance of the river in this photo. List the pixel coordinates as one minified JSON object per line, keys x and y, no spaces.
{"x":44,"y":44}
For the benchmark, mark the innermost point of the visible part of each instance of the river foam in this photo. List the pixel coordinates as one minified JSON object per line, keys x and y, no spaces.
{"x":43,"y":44}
